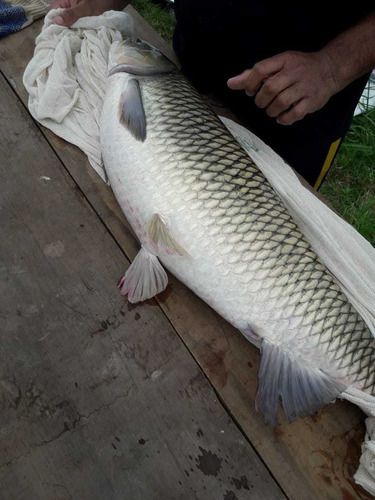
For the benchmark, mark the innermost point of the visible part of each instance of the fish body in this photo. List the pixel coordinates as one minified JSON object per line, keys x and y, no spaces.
{"x":201,"y":207}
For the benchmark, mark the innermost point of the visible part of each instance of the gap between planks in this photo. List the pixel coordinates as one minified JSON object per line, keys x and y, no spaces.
{"x":155,"y":299}
{"x":43,"y":155}
{"x":218,"y":349}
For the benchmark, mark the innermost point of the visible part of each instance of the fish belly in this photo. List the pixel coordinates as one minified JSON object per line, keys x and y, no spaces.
{"x":247,"y":257}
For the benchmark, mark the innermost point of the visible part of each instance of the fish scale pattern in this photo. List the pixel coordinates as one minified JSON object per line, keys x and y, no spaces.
{"x":250,"y":229}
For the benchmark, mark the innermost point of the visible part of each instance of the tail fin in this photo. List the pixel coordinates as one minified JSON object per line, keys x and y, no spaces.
{"x":303,"y":390}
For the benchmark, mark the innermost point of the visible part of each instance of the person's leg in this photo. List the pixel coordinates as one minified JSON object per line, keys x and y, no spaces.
{"x":331,"y":155}
{"x":310,"y":145}
{"x":311,"y":156}
{"x":307,"y":146}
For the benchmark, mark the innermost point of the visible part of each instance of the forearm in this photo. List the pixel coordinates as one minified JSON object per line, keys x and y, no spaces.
{"x":352,"y":53}
{"x":75,"y":9}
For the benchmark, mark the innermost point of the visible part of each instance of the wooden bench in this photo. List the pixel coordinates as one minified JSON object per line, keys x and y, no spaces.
{"x":104,"y":400}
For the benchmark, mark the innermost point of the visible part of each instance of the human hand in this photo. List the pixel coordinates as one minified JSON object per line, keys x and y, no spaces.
{"x":74,"y":9}
{"x":289,"y":85}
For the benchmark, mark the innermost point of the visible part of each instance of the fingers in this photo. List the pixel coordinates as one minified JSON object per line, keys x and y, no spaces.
{"x":272,"y":89}
{"x":60,"y":4}
{"x":296,"y":113}
{"x":70,"y":16}
{"x":75,"y":9}
{"x":252,"y":79}
{"x":287,"y":86}
{"x":239,"y":82}
{"x":283,"y":101}
{"x":276,"y":95}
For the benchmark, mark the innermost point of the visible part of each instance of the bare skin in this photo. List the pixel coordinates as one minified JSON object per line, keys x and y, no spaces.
{"x":75,"y":9}
{"x":290,"y":85}
{"x":287,"y":86}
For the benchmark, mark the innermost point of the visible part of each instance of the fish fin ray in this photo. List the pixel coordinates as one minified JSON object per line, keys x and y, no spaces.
{"x":303,"y":390}
{"x":251,"y":336}
{"x":132,"y":113}
{"x":144,"y":279}
{"x":159,"y":234}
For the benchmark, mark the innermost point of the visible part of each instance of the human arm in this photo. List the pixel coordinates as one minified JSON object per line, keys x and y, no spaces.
{"x":292,"y":84}
{"x":74,"y":9}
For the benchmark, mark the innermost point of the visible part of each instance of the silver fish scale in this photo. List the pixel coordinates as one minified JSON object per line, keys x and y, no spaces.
{"x":263,"y":243}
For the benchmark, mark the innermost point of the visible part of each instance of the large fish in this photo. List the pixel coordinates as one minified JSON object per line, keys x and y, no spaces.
{"x":201,"y":207}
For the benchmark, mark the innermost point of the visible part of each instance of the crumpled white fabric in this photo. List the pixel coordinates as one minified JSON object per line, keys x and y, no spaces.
{"x":66,"y":78}
{"x":348,"y":256}
{"x":66,"y":82}
{"x":366,"y":470}
{"x":365,"y":475}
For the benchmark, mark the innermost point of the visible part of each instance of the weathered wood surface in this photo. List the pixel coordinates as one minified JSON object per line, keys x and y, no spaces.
{"x":98,"y":400}
{"x":311,"y":458}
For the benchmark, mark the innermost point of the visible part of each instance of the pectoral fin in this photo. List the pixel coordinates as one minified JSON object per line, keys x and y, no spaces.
{"x":132,"y":113}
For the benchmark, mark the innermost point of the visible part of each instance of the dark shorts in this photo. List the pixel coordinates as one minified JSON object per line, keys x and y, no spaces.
{"x":217,"y":39}
{"x":309,"y":145}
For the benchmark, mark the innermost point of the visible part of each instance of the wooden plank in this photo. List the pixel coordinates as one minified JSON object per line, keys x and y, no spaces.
{"x":145,"y":31}
{"x":98,"y":400}
{"x":312,"y":458}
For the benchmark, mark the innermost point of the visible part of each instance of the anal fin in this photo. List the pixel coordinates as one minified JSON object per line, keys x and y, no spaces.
{"x":144,"y":279}
{"x":303,"y":390}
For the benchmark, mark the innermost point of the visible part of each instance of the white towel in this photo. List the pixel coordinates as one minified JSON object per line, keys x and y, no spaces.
{"x":67,"y":76}
{"x":66,"y":82}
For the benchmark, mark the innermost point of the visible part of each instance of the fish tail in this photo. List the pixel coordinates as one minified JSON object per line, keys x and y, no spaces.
{"x":303,"y":390}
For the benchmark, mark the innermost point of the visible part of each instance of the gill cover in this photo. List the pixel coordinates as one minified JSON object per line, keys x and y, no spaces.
{"x":137,"y":57}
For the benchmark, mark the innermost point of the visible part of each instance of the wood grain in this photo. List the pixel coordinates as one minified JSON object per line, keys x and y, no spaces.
{"x":99,"y":400}
{"x":311,"y":458}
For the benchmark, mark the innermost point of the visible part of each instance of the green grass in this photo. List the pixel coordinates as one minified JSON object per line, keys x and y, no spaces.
{"x":162,"y":20}
{"x":350,"y":183}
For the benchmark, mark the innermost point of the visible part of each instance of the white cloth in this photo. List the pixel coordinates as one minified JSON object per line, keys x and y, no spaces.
{"x":365,"y":475}
{"x":348,"y":256}
{"x":67,"y":76}
{"x":66,"y":81}
{"x":350,"y":259}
